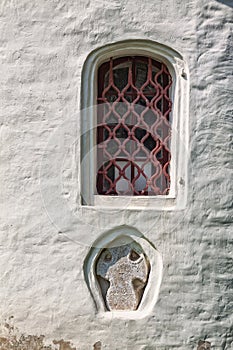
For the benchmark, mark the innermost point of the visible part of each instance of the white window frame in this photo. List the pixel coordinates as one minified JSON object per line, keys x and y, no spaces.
{"x":179,"y":118}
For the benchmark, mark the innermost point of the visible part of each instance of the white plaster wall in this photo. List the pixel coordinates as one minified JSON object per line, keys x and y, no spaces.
{"x":45,"y":237}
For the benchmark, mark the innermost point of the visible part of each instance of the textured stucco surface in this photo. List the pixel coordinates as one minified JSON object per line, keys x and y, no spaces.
{"x":43,"y":47}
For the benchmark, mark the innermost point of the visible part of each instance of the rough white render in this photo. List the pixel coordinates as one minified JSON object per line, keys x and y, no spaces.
{"x":45,"y":236}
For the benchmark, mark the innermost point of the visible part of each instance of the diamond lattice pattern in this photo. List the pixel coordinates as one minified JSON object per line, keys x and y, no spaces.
{"x":134,"y":128}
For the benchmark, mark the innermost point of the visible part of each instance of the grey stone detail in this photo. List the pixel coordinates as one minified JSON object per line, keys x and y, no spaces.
{"x":122,"y":273}
{"x":203,"y":345}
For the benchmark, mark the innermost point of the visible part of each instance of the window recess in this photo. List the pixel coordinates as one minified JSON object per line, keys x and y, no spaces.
{"x":134,"y":127}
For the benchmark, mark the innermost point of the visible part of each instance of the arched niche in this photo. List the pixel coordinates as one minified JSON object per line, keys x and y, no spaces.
{"x":123,"y":272}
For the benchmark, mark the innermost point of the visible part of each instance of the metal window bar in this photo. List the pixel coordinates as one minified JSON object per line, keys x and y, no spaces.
{"x":134,"y":131}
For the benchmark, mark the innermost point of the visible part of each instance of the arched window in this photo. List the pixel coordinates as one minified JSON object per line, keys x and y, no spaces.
{"x":134,"y":126}
{"x":134,"y":129}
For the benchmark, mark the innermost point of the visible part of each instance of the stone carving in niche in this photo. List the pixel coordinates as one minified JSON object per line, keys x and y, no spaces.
{"x":204,"y":345}
{"x":122,"y":271}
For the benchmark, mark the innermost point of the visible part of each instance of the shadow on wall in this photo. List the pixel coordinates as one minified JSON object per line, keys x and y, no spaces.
{"x":226,"y":2}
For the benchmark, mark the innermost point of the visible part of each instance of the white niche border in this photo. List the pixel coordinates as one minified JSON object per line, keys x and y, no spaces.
{"x":151,"y":292}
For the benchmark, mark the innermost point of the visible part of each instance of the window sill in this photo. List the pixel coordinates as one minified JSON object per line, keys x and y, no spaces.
{"x":135,"y":202}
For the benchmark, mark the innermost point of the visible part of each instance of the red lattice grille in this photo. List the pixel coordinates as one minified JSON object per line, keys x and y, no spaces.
{"x":133,"y":134}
